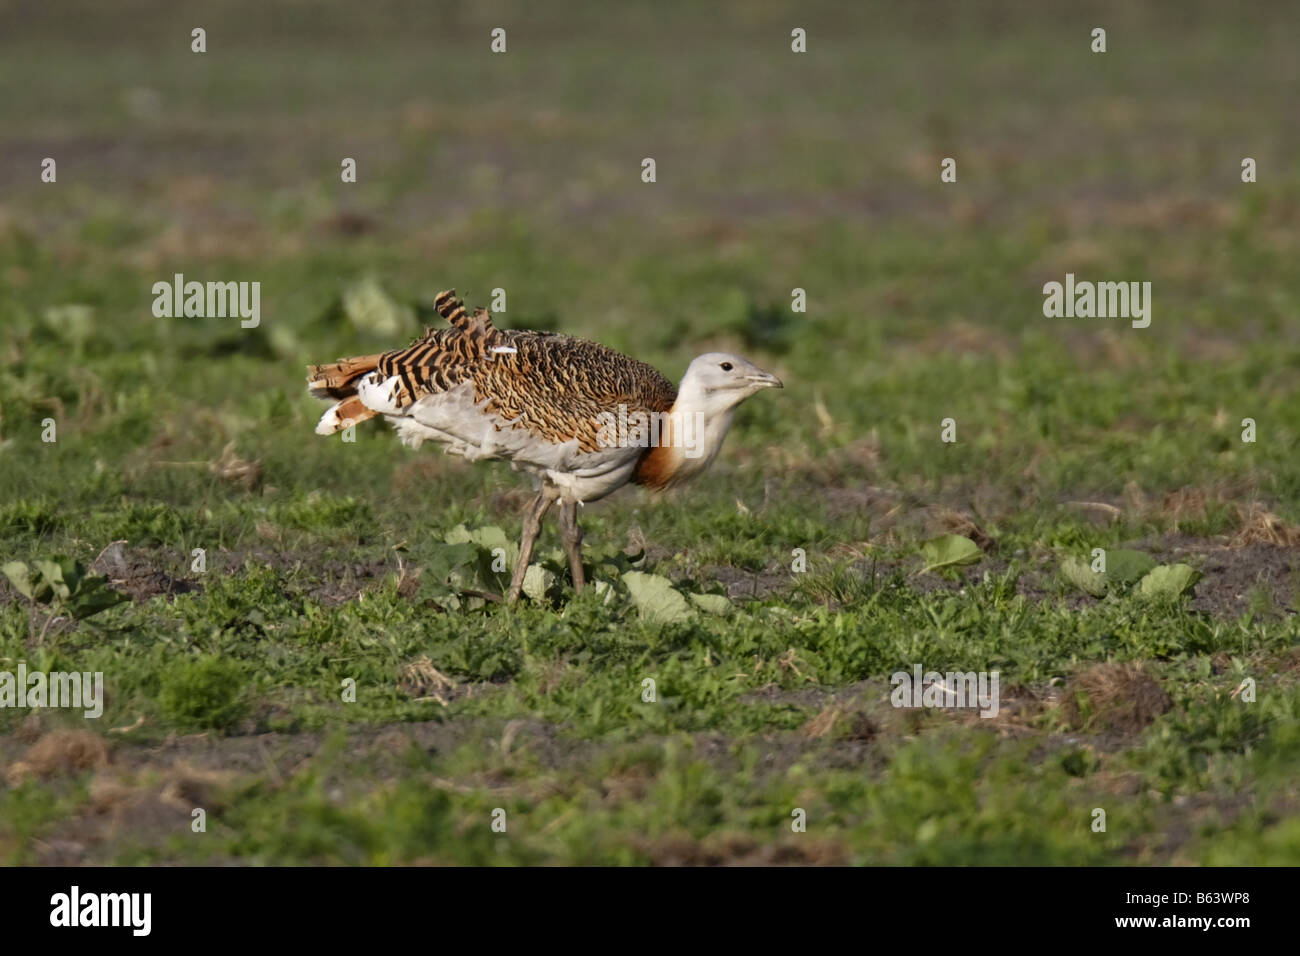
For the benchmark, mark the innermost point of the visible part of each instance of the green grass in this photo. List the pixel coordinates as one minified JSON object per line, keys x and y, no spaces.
{"x":775,"y":172}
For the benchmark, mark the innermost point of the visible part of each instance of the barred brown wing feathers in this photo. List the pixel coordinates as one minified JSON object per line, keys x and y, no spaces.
{"x":556,"y":386}
{"x":435,"y":363}
{"x":442,"y":358}
{"x":552,"y":385}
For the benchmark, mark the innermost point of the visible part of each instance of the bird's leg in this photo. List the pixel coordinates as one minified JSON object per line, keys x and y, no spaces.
{"x":571,"y":534}
{"x":532,"y":527}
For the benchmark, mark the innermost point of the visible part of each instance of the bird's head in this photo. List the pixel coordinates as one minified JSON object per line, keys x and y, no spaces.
{"x":718,"y":381}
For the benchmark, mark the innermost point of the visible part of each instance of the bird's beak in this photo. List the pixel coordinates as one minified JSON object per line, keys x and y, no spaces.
{"x":765,"y":380}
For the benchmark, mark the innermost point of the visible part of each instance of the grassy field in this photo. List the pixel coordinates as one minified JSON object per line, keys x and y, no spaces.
{"x":331,"y":562}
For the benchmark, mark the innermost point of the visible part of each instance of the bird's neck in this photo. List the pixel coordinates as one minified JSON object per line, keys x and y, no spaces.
{"x":691,"y":439}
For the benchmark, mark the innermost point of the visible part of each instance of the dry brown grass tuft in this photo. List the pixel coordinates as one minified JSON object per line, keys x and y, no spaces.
{"x":1112,"y":696}
{"x":421,"y":680}
{"x":1256,"y":524}
{"x":1187,"y":504}
{"x":60,"y":751}
{"x":1263,"y":527}
{"x":187,"y":787}
{"x":821,"y":725}
{"x":840,"y":724}
{"x":243,"y":472}
{"x":959,"y":522}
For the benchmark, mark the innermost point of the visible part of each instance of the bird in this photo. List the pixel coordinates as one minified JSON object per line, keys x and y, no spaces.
{"x":581,"y":419}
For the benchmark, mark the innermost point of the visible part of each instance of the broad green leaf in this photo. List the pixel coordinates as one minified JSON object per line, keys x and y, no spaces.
{"x":1124,"y":566}
{"x":712,"y":603}
{"x":1079,"y":572}
{"x":52,"y":572}
{"x":66,"y":581}
{"x":537,"y":581}
{"x":606,"y":559}
{"x":487,"y":538}
{"x":476,"y":574}
{"x":74,"y":572}
{"x":656,"y":598}
{"x":434,"y":579}
{"x":459,"y":535}
{"x":949,"y":551}
{"x":20,"y":576}
{"x":1168,"y":581}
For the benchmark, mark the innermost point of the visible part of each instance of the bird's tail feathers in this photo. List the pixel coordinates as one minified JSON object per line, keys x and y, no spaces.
{"x":338,"y":380}
{"x":343,"y":414}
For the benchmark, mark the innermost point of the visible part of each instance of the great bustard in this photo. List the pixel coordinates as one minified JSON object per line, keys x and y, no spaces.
{"x":583,"y":419}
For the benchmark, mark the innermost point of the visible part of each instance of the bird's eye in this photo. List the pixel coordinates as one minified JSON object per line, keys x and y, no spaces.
{"x":726,"y":366}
